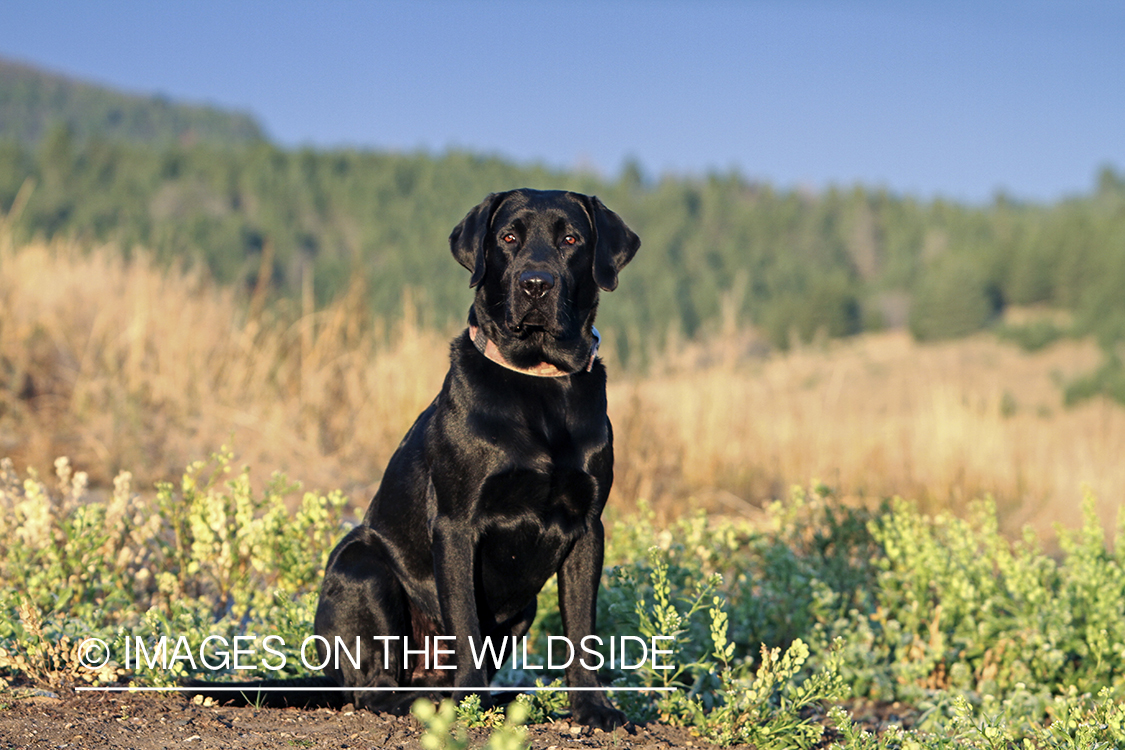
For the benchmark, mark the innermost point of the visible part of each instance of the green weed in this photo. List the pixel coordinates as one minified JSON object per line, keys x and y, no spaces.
{"x":445,"y":724}
{"x":993,"y":643}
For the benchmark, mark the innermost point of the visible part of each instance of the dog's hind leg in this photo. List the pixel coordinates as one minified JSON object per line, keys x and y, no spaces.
{"x":362,"y":617}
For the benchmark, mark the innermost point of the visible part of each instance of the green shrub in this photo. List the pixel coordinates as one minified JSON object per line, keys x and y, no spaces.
{"x":993,"y":642}
{"x":212,"y":558}
{"x":1032,"y":336}
{"x":952,"y":299}
{"x":1108,"y":380}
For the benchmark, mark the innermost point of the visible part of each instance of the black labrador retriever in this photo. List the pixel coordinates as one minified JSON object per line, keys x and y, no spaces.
{"x":501,"y":481}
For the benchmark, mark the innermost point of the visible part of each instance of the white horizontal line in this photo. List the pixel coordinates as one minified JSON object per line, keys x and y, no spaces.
{"x":276,"y":688}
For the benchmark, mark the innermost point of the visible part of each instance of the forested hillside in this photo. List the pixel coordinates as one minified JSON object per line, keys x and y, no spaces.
{"x":33,"y":101}
{"x":717,"y":248}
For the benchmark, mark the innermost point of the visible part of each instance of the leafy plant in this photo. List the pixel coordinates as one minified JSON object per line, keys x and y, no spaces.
{"x":445,"y":724}
{"x":106,"y":568}
{"x":992,"y":642}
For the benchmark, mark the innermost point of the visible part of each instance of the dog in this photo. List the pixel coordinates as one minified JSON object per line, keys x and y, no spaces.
{"x":501,"y":481}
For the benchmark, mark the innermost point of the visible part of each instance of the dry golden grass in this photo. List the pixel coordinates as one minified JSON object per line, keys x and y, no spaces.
{"x":874,"y":416}
{"x":125,"y":366}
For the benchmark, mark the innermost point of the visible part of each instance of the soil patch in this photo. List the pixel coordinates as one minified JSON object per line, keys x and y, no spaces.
{"x":147,"y":722}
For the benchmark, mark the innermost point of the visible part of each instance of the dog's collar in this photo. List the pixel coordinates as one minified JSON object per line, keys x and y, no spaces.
{"x":488,"y":348}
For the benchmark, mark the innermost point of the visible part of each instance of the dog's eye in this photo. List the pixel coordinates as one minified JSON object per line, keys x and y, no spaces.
{"x":570,"y":239}
{"x":510,"y":238}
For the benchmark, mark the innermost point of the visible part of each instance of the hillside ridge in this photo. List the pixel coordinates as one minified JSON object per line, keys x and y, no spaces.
{"x":34,"y":100}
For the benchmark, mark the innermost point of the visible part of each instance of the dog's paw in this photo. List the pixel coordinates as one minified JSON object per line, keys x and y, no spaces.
{"x":396,"y":703}
{"x":598,"y":714}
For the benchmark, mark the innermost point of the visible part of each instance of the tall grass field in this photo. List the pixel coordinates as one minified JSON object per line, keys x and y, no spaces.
{"x":757,"y":523}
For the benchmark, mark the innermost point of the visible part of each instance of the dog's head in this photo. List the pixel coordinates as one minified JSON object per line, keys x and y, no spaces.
{"x":538,"y":259}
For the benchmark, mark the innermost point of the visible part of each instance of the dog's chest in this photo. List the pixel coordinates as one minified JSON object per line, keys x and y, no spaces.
{"x":518,"y":553}
{"x":551,"y":481}
{"x":555,"y":499}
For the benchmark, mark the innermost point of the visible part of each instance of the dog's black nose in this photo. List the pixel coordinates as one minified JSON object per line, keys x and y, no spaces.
{"x":536,"y":283}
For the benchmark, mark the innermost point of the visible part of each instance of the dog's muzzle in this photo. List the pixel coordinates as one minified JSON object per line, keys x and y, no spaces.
{"x":534,"y":303}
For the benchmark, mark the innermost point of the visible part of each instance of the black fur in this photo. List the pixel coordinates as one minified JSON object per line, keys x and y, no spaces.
{"x":501,"y":481}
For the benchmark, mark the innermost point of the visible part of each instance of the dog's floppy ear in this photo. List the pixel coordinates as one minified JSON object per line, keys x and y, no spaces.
{"x":468,"y":238}
{"x":616,"y":244}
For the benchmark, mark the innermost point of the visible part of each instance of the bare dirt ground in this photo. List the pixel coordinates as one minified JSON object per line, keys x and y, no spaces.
{"x":70,"y":720}
{"x":147,"y":722}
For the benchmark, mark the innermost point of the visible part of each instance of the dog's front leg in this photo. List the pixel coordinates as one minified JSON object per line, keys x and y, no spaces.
{"x":454,"y":547}
{"x":579,"y":578}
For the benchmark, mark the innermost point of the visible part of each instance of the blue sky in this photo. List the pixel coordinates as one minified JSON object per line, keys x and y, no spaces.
{"x":954,"y":99}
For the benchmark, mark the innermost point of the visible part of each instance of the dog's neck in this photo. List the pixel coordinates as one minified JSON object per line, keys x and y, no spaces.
{"x":488,"y":348}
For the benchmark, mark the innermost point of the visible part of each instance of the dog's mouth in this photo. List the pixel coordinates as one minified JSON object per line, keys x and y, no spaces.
{"x":532,"y":322}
